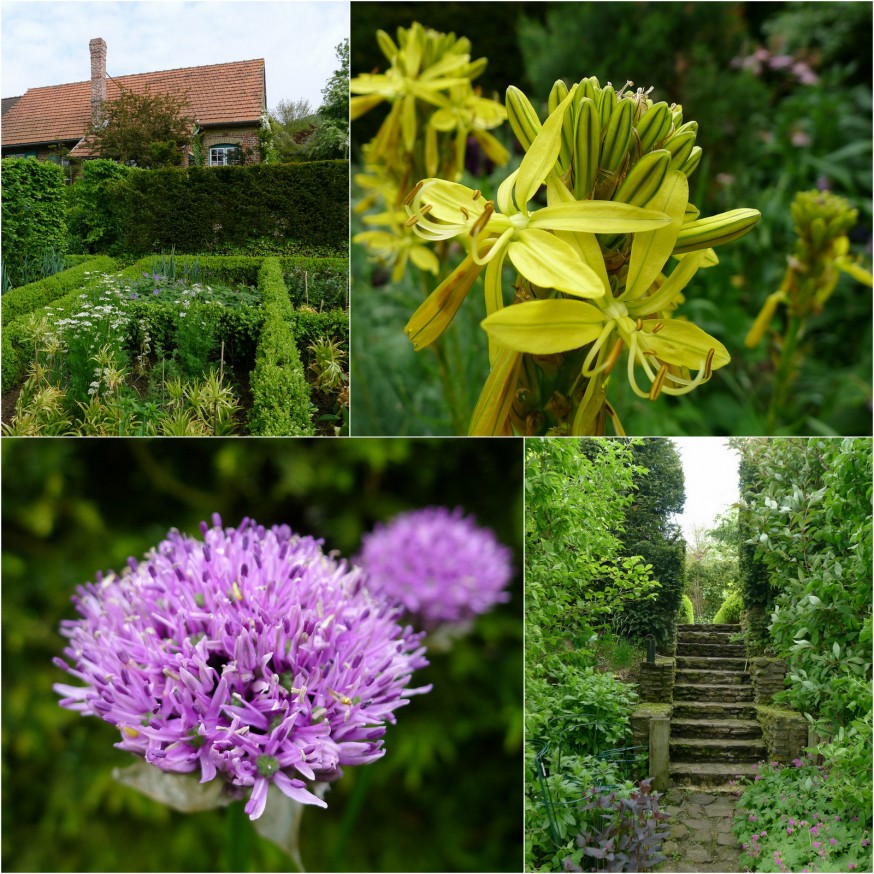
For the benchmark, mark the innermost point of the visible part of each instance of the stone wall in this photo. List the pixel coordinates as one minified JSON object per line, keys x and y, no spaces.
{"x":768,"y":676}
{"x":784,"y":731}
{"x":657,"y":680}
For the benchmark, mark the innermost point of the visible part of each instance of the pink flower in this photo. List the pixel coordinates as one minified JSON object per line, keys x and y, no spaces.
{"x":758,"y":776}
{"x":816,"y":845}
{"x":789,"y":830}
{"x":832,"y":841}
{"x":865,"y":842}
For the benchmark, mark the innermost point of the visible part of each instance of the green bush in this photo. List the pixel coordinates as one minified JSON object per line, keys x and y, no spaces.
{"x":280,"y":393}
{"x":202,"y":209}
{"x":686,"y":613}
{"x":92,"y":219}
{"x":34,"y":206}
{"x":27,"y":298}
{"x":730,"y":611}
{"x":322,"y":283}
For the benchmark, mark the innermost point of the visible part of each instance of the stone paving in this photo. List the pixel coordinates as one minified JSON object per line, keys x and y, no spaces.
{"x":700,"y":832}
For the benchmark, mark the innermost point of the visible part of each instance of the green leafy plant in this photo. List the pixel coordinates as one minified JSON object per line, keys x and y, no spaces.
{"x":731,"y":610}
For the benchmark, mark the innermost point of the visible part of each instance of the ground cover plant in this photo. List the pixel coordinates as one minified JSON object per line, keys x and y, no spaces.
{"x":68,"y":511}
{"x":171,"y":346}
{"x":758,"y":82}
{"x":806,"y":572}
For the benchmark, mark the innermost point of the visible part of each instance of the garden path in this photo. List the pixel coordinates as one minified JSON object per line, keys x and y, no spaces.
{"x":700,"y":832}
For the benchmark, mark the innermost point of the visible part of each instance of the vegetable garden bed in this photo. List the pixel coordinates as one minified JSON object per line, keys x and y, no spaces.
{"x":194,"y":345}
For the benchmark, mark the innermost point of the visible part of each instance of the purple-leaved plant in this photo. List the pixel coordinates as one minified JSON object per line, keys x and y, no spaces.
{"x":438,"y":563}
{"x":249,"y":656}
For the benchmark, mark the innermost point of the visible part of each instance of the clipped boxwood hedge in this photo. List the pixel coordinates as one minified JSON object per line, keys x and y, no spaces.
{"x":199,"y":209}
{"x":280,"y":393}
{"x":27,"y":298}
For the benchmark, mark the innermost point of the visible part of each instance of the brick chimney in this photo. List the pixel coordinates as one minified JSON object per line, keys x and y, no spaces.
{"x":98,"y":75}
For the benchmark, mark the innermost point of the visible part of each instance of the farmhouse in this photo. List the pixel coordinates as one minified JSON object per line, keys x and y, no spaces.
{"x":227,"y":101}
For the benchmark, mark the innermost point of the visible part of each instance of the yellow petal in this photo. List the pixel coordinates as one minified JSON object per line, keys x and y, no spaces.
{"x":651,"y":249}
{"x":359,"y":105}
{"x":544,"y":327}
{"x":424,"y":259}
{"x":551,"y":263}
{"x":541,"y":156}
{"x":682,"y":343}
{"x":434,"y":315}
{"x":599,"y":217}
{"x":494,"y":150}
{"x":494,"y":294}
{"x":447,"y":199}
{"x":493,"y":407}
{"x":444,"y":120}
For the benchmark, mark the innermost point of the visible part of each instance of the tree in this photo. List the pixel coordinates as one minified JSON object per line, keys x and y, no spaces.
{"x":146,"y":130}
{"x":299,"y":134}
{"x":711,"y":566}
{"x":650,"y":534}
{"x":293,"y":123}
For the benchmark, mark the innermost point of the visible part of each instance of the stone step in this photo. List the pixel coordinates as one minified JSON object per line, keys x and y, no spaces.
{"x":698,"y":692}
{"x":710,"y":774}
{"x":698,"y":626}
{"x":713,"y":710}
{"x":705,"y":637}
{"x":686,"y":677}
{"x":748,"y":729}
{"x":711,"y":650}
{"x":713,"y":751}
{"x":711,"y":664}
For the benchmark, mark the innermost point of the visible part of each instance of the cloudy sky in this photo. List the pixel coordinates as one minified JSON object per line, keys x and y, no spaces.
{"x":46,"y":43}
{"x":710,"y":469}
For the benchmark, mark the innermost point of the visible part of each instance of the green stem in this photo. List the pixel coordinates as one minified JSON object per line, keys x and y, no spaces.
{"x":350,"y":817}
{"x":238,"y":847}
{"x":785,"y":373}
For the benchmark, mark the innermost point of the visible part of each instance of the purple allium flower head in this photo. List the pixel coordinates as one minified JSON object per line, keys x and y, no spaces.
{"x":249,"y":655}
{"x":439,"y":564}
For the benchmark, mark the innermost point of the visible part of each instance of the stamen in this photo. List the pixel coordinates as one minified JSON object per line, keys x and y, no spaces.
{"x":658,"y":327}
{"x":412,"y":220}
{"x":613,"y":357}
{"x":409,"y":198}
{"x":465,"y":213}
{"x":477,"y":194}
{"x":638,"y":325}
{"x":483,"y":220}
{"x":708,"y":363}
{"x":656,"y":387}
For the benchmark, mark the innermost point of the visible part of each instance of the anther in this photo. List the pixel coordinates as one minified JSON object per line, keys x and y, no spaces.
{"x":658,"y":327}
{"x":708,"y":364}
{"x":638,"y":325}
{"x":657,"y":383}
{"x":477,"y":194}
{"x":409,"y":198}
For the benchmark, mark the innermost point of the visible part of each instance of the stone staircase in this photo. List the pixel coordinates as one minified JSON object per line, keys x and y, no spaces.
{"x":714,"y":732}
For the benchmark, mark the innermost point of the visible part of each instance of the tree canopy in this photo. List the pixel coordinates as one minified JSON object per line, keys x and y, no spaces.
{"x":147,"y":130}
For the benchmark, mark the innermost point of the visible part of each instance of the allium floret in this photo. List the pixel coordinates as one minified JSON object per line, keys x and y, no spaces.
{"x":250,"y":656}
{"x":438,"y":563}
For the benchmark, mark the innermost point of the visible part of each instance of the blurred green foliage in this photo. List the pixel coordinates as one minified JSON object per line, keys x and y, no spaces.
{"x":447,"y":794}
{"x":767,"y":130}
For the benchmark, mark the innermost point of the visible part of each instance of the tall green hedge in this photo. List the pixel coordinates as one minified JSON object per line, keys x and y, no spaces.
{"x":200,"y":209}
{"x":93,"y":219}
{"x":34,"y":207}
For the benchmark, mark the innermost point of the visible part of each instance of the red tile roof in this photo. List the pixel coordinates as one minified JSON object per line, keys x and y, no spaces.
{"x":218,"y":94}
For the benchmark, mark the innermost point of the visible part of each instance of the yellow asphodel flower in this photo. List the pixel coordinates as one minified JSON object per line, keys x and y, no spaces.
{"x":425,"y":65}
{"x":391,"y":243}
{"x":441,"y":210}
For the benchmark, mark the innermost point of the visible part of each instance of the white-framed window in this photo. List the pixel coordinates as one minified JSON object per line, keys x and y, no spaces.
{"x":224,"y":154}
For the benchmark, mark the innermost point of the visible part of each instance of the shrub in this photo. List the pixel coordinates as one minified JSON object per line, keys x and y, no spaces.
{"x":730,"y":611}
{"x":321,"y":283}
{"x":280,"y":393}
{"x":686,"y":613}
{"x":93,"y":220}
{"x":202,"y":209}
{"x":34,"y":205}
{"x":622,"y":833}
{"x":27,"y":298}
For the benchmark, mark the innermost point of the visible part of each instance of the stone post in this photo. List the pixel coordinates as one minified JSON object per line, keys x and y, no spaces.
{"x":659,"y":745}
{"x":97,"y":47}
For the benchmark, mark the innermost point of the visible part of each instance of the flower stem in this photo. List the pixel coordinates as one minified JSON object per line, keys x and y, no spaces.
{"x":238,"y":832}
{"x":785,"y":373}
